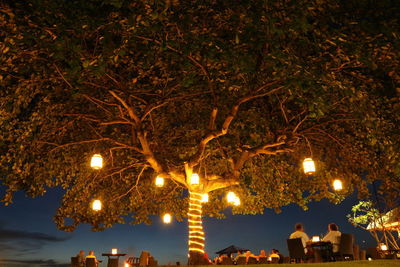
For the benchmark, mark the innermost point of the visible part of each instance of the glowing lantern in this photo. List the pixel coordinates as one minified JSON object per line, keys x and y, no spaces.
{"x":195,"y":179}
{"x":231,"y":197}
{"x":96,"y":205}
{"x":159,"y":181}
{"x":96,"y":162}
{"x":167,"y":218}
{"x":315,"y":238}
{"x":337,"y":185}
{"x":204,"y":198}
{"x":236,"y":201}
{"x":126,"y":264}
{"x":383,"y":247}
{"x":114,"y":251}
{"x":308,"y":166}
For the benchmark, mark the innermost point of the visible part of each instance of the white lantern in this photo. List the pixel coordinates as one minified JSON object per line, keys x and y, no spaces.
{"x":96,"y":205}
{"x":96,"y":162}
{"x":204,"y":198}
{"x":236,"y":201}
{"x":308,"y":166}
{"x":194,"y":179}
{"x":383,"y":247}
{"x":315,"y":238}
{"x":114,"y":251}
{"x":167,"y":218}
{"x":159,"y":181}
{"x":337,"y":185}
{"x":230,"y":197}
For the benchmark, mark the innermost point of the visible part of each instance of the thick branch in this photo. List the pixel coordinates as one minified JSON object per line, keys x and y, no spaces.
{"x":225,"y":126}
{"x":131,"y":113}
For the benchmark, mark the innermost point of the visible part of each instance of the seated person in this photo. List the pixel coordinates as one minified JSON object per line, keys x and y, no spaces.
{"x":262,"y":254}
{"x":299,"y":233}
{"x":333,"y":236}
{"x":276,"y":254}
{"x":92,"y":256}
{"x":249,"y":255}
{"x":81,"y":258}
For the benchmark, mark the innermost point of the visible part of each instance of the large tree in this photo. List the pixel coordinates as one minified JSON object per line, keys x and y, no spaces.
{"x":239,"y":92}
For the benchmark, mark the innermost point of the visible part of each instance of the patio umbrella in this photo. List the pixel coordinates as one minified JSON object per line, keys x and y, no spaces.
{"x":231,"y":249}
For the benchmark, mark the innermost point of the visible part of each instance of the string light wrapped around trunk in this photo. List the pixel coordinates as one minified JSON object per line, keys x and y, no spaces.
{"x":196,"y":234}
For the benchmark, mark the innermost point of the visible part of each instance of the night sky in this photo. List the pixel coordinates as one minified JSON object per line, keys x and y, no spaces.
{"x":28,"y":236}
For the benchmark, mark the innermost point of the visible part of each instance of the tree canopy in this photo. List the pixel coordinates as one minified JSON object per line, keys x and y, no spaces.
{"x":239,"y":91}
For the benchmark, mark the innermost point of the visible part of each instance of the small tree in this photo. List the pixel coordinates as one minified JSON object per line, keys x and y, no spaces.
{"x":239,"y":92}
{"x":366,"y":216}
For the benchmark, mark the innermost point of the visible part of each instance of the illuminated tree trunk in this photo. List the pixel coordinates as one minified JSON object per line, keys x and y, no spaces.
{"x":196,"y":234}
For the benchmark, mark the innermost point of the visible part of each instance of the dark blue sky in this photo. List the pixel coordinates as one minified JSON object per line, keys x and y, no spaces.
{"x":28,"y":234}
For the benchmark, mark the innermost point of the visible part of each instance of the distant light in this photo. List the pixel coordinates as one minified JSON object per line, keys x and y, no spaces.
{"x":337,"y":185}
{"x":269,"y":258}
{"x":159,"y":181}
{"x":114,"y":251}
{"x":383,"y":247}
{"x":127,"y":265}
{"x":315,"y":238}
{"x":370,"y":259}
{"x":308,"y":166}
{"x":204,"y":198}
{"x":96,"y":205}
{"x":167,"y":218}
{"x":96,"y":162}
{"x":230,"y":197}
{"x":194,"y":179}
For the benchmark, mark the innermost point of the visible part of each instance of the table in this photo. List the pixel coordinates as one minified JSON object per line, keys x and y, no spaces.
{"x":322,"y":250}
{"x":113,"y":262}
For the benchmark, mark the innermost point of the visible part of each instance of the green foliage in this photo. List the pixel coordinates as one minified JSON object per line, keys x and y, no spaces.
{"x":336,"y":62}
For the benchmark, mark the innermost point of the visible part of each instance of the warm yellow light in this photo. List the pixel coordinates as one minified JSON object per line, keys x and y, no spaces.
{"x":159,"y":181}
{"x":315,"y":238}
{"x":236,"y":201}
{"x":383,"y":247}
{"x":337,"y":185}
{"x":167,"y":218}
{"x":195,"y":179}
{"x":204,"y":198}
{"x":96,"y":162}
{"x":196,"y":249}
{"x":126,"y":264}
{"x":96,"y":205}
{"x":114,"y":251}
{"x":308,"y":166}
{"x":230,"y":197}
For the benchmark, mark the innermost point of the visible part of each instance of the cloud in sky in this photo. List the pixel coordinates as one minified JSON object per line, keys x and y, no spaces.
{"x":25,"y":242}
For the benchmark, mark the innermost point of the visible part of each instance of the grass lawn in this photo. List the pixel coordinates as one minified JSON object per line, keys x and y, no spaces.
{"x":373,"y":263}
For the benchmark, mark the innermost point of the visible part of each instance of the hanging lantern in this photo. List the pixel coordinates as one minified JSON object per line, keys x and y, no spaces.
{"x":230,"y":197}
{"x":204,"y":198}
{"x":159,"y":181}
{"x":167,"y":218}
{"x":383,"y":247}
{"x":114,"y":251}
{"x":337,"y":185}
{"x":308,"y":166}
{"x":96,"y":205}
{"x":96,"y":162}
{"x":194,"y":179}
{"x":236,"y":201}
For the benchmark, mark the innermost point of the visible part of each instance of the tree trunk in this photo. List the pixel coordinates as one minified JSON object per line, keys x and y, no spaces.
{"x":196,"y":234}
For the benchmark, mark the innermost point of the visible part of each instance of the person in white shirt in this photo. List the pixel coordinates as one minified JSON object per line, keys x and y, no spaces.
{"x":333,"y":236}
{"x":299,"y":233}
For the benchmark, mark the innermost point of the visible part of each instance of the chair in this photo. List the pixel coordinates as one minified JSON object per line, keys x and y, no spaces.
{"x":241,"y":261}
{"x":90,"y":262}
{"x":152,"y":262}
{"x":275,"y":260}
{"x":262,"y":260}
{"x":252,"y":260}
{"x":372,"y":252}
{"x":345,"y":247}
{"x":144,"y":259}
{"x":296,"y":249}
{"x":112,"y":263}
{"x":227,"y":261}
{"x":75,"y":262}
